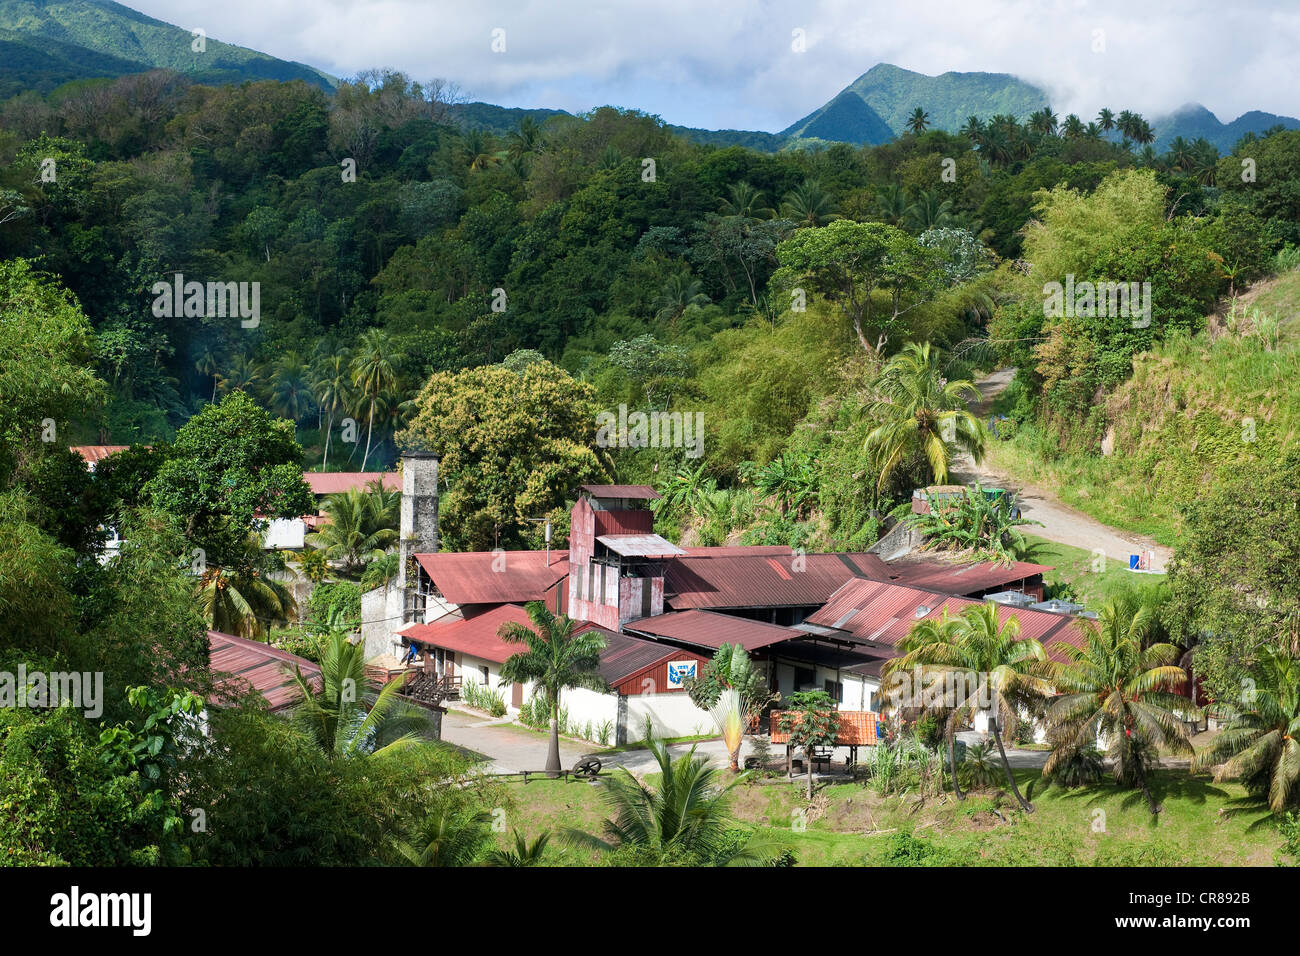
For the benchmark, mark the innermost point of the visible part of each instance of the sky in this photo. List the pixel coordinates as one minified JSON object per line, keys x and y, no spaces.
{"x":761,"y":64}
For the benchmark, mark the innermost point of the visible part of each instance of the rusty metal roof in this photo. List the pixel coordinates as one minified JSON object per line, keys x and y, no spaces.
{"x":641,"y":492}
{"x":710,"y":629}
{"x":963,"y":579}
{"x":96,"y":453}
{"x":763,"y":580}
{"x":334,"y":482}
{"x":495,"y":577}
{"x":238,"y":663}
{"x":883,"y":613}
{"x":626,"y":656}
{"x":640,"y":545}
{"x":476,"y":636}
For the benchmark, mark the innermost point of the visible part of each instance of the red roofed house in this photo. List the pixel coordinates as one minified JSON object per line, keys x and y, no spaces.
{"x":239,"y":665}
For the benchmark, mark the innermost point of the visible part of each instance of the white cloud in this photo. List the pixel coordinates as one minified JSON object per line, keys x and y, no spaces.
{"x":729,"y":63}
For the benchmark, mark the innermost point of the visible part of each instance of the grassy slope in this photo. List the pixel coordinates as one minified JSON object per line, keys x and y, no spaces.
{"x":1179,"y":422}
{"x":849,"y":825}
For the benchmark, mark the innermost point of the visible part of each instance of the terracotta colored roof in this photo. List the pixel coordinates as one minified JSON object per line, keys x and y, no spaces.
{"x":883,"y":613}
{"x":333,"y":482}
{"x":500,"y":577}
{"x":710,"y":629}
{"x":268,"y":670}
{"x":642,"y":492}
{"x":725,"y":551}
{"x":763,"y":580}
{"x":857,"y":728}
{"x":95,"y":453}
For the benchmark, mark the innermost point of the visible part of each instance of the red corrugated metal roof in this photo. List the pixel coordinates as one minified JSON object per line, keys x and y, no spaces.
{"x":268,"y":670}
{"x":626,"y":656}
{"x":487,"y":577}
{"x":884,"y":613}
{"x":963,"y":579}
{"x":710,"y":629}
{"x":724,"y":551}
{"x":763,"y":580}
{"x":334,"y":482}
{"x":642,"y":492}
{"x":477,"y":635}
{"x":95,"y":453}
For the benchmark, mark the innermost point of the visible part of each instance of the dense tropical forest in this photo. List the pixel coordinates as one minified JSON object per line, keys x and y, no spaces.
{"x":422,"y":283}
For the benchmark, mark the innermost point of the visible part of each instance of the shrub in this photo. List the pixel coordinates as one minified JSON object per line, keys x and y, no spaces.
{"x":1080,"y":768}
{"x":342,"y":597}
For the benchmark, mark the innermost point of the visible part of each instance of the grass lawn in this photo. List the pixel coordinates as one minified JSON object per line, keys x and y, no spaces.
{"x":1074,"y":566}
{"x":849,"y":825}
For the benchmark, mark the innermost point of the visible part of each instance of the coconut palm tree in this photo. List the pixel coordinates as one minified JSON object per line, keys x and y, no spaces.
{"x":1259,"y":746}
{"x":1106,"y":120}
{"x":808,"y":206}
{"x":374,"y":371}
{"x":244,"y":601}
{"x":527,"y":139}
{"x":681,"y":293}
{"x":349,"y":715}
{"x":922,"y":416}
{"x":331,"y":383}
{"x":243,"y":375}
{"x":555,"y":660}
{"x":1073,"y":127}
{"x":930,"y":211}
{"x":892,"y":203}
{"x":983,"y":666}
{"x":209,"y":365}
{"x":686,"y":817}
{"x":288,"y":388}
{"x":918,"y":122}
{"x":1121,"y":689}
{"x":745,"y":201}
{"x":362,"y":524}
{"x":522,"y":853}
{"x":973,"y":129}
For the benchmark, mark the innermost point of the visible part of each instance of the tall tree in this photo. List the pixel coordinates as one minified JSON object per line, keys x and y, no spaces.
{"x":555,"y":660}
{"x":374,"y":371}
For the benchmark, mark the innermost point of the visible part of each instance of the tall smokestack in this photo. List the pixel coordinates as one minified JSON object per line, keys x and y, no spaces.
{"x":419,"y":523}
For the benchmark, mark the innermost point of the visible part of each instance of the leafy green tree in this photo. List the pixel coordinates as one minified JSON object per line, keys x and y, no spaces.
{"x":812,"y":722}
{"x":1122,"y":690}
{"x":850,"y":263}
{"x":555,"y":659}
{"x":924,"y":419}
{"x":512,"y":447}
{"x":232,"y":469}
{"x":1259,"y":744}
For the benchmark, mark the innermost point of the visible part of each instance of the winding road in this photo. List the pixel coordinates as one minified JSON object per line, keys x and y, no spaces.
{"x":1061,"y":523}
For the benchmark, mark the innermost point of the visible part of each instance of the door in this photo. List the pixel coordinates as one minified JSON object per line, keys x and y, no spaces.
{"x":517,"y":695}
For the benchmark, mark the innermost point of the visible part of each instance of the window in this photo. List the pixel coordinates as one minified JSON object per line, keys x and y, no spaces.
{"x":835,"y":689}
{"x":484,"y":671}
{"x":804,"y":678}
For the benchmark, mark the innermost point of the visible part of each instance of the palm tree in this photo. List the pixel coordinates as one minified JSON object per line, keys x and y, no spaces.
{"x":556,"y":660}
{"x":449,"y":837}
{"x":977,"y":522}
{"x":685,"y":818}
{"x":808,"y":206}
{"x":527,"y":140}
{"x":1120,"y":689}
{"x":290,"y":395}
{"x":984,"y":667}
{"x":1106,"y":120}
{"x":244,"y":375}
{"x":349,"y":715}
{"x":928,"y":212}
{"x":973,"y":129}
{"x":686,"y":491}
{"x":480,"y":150}
{"x":243,"y":601}
{"x":332,"y":387}
{"x":1043,"y":121}
{"x":1073,"y":127}
{"x":745,"y":201}
{"x":380,"y":570}
{"x":208,"y":365}
{"x":522,"y":853}
{"x":733,"y":691}
{"x":892,"y":203}
{"x":681,"y":293}
{"x":922,"y":416}
{"x":1259,"y":745}
{"x":918,"y":122}
{"x":374,"y":371}
{"x":789,"y":478}
{"x":362,"y":524}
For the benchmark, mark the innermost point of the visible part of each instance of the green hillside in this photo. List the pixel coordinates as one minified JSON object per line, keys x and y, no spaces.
{"x":1195,"y":121}
{"x":847,"y":118}
{"x":76,"y":39}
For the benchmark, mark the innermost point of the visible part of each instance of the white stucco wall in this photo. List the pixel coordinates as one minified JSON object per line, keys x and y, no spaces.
{"x":285,"y":534}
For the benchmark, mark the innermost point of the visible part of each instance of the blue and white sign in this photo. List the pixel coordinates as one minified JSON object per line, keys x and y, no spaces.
{"x":678,"y":671}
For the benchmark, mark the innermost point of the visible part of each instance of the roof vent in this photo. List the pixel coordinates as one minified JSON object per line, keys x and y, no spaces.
{"x":921,"y":611}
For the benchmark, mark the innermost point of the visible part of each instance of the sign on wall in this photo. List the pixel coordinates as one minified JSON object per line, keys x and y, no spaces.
{"x":678,"y":671}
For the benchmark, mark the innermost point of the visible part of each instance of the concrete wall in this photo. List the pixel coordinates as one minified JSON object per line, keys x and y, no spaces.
{"x":285,"y":534}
